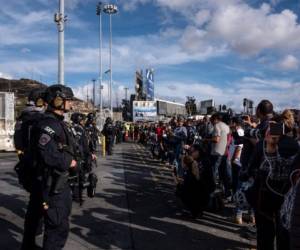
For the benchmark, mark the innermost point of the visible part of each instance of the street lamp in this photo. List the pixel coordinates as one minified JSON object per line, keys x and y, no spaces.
{"x":110,"y":9}
{"x":99,"y":9}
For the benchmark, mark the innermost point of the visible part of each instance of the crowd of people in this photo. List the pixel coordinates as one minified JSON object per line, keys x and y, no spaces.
{"x":252,"y":161}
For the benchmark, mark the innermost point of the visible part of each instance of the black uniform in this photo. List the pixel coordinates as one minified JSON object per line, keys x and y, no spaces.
{"x":23,"y":138}
{"x":84,"y":160}
{"x":119,"y":132}
{"x":55,"y":156}
{"x":92,"y":133}
{"x":109,"y":133}
{"x":82,"y":141}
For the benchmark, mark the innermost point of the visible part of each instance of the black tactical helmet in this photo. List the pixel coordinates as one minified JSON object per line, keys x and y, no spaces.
{"x":36,"y":97}
{"x":108,"y":120}
{"x":91,"y":117}
{"x":57,"y":94}
{"x":77,"y":117}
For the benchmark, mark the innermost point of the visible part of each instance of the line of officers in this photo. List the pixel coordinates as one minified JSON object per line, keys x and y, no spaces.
{"x":56,"y":162}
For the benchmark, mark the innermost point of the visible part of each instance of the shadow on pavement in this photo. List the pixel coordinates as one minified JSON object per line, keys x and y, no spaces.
{"x":155,"y":220}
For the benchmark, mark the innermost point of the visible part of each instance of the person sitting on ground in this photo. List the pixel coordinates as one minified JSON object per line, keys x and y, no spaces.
{"x":197,"y":184}
{"x":206,"y":180}
{"x":188,"y":185}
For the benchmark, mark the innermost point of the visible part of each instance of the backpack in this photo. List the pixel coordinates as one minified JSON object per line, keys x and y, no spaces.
{"x":26,"y":168}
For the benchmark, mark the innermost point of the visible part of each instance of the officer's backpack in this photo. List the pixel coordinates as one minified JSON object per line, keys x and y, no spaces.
{"x":26,"y":168}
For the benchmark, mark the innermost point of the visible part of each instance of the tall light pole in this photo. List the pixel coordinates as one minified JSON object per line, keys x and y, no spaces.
{"x":60,"y":20}
{"x":110,"y":9}
{"x":99,"y":9}
{"x":94,"y":93}
{"x":101,"y":99}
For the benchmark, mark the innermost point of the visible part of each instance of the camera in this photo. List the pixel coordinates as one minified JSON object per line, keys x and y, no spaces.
{"x":277,"y":129}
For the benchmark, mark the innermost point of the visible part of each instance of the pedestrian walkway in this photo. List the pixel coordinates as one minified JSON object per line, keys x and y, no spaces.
{"x":135,"y":208}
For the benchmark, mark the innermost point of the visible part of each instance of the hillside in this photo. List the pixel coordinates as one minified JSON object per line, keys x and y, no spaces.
{"x":22,"y":88}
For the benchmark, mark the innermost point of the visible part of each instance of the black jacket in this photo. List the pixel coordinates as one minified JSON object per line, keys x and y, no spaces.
{"x":260,"y":196}
{"x":295,"y":223}
{"x":55,"y":143}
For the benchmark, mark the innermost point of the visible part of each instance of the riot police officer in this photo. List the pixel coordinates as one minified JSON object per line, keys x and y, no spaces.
{"x":84,"y":155}
{"x":78,"y":120}
{"x":109,"y":133}
{"x":56,"y":157}
{"x":23,"y":143}
{"x":33,"y":111}
{"x":119,"y":132}
{"x":92,"y":132}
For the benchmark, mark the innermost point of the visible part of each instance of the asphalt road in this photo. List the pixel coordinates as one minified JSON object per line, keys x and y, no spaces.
{"x":135,"y":208}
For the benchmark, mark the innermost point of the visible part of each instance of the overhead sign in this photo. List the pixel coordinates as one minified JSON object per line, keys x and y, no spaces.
{"x":144,"y":110}
{"x":150,"y":84}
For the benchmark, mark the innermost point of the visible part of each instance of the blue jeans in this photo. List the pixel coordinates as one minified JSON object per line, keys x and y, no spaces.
{"x":220,"y":171}
{"x":178,"y":156}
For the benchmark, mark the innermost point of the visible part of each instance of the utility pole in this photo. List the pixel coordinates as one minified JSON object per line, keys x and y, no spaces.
{"x":101,"y":99}
{"x":94,"y":93}
{"x":60,"y":20}
{"x":110,"y":9}
{"x":99,"y":9}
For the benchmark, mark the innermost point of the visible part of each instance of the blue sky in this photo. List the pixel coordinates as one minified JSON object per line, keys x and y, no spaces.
{"x":226,"y":50}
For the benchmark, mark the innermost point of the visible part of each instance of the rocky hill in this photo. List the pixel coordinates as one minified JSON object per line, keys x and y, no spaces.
{"x":22,"y":88}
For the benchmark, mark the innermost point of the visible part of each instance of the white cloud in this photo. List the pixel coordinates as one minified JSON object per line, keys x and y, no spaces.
{"x":283,"y":93}
{"x":245,"y":29}
{"x":25,"y":50}
{"x":250,"y":31}
{"x":26,"y":27}
{"x":202,"y":17}
{"x":5,"y":76}
{"x":289,"y":62}
{"x":275,"y":2}
{"x":86,"y":90}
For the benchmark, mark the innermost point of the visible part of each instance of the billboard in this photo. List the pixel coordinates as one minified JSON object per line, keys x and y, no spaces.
{"x":144,"y":111}
{"x":204,"y":105}
{"x":149,"y":84}
{"x":169,"y":109}
{"x":139,"y":86}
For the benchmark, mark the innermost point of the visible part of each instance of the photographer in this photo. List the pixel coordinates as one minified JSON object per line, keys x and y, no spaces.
{"x":253,"y":132}
{"x":270,"y":167}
